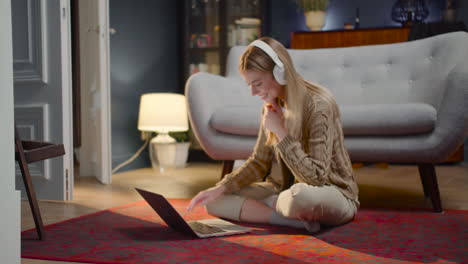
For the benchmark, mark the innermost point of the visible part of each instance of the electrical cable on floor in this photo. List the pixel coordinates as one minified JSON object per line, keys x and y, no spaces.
{"x":133,"y":157}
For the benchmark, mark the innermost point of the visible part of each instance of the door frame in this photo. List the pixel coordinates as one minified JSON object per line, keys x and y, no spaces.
{"x":104,"y":172}
{"x":104,"y":69}
{"x":67,"y":97}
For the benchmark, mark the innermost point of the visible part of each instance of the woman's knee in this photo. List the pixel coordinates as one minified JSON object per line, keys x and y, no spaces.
{"x":310,"y":203}
{"x":297,"y":199}
{"x":227,"y":206}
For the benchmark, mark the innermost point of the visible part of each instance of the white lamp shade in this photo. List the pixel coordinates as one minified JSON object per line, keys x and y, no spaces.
{"x":163,"y":112}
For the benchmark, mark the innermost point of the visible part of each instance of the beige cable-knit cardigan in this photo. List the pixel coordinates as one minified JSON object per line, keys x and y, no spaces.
{"x":320,"y":158}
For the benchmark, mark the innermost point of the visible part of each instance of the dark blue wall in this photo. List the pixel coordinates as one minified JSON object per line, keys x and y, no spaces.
{"x":287,"y":17}
{"x":144,"y":58}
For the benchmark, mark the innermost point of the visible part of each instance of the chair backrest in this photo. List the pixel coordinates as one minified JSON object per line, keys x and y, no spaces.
{"x":414,"y":71}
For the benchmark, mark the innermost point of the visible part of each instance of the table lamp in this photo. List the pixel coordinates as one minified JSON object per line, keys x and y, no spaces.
{"x":163,"y":113}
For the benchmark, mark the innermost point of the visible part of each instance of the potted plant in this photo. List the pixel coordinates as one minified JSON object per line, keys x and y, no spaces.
{"x":314,"y":12}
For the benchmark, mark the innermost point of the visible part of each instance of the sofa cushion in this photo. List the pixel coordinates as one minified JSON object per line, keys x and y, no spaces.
{"x":357,"y":120}
{"x":387,"y":119}
{"x":237,"y":120}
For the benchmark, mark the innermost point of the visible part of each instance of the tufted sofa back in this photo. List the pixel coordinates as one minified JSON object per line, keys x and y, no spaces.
{"x":415,"y":71}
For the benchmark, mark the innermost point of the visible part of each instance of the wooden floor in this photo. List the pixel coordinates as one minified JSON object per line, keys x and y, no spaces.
{"x":397,"y":186}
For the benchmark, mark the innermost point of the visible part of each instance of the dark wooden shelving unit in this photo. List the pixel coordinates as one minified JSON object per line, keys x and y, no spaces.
{"x":206,"y":29}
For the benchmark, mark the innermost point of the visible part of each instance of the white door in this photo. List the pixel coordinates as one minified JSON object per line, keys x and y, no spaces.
{"x":42,"y":90}
{"x":95,"y":151}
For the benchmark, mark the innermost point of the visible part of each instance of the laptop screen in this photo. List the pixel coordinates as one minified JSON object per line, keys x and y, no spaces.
{"x":166,"y":211}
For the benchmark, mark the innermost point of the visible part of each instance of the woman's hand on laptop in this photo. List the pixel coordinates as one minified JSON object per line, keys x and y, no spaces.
{"x":206,"y":196}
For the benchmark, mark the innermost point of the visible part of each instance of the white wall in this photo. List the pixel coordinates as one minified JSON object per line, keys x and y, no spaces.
{"x":9,"y":198}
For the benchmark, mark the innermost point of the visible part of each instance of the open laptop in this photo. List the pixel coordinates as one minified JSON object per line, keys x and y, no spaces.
{"x":200,"y":228}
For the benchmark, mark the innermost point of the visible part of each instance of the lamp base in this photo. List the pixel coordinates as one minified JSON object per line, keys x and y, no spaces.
{"x":162,"y":138}
{"x":167,"y":156}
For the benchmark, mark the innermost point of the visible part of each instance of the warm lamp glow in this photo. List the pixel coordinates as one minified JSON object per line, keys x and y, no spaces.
{"x":163,"y":112}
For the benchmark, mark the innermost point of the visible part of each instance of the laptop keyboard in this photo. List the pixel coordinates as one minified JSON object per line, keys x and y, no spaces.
{"x":204,"y":229}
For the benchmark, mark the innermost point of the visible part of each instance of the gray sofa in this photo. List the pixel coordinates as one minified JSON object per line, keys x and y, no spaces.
{"x":400,"y":103}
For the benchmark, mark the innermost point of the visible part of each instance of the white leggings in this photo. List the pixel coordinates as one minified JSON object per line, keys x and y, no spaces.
{"x":303,"y":202}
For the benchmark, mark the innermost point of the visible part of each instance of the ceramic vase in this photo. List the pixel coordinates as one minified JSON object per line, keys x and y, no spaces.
{"x":315,"y":20}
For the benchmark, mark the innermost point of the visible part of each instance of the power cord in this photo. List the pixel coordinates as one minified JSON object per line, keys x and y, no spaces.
{"x":147,"y":140}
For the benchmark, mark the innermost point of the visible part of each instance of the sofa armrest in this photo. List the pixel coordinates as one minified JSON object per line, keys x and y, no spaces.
{"x":452,"y":116}
{"x":207,"y":93}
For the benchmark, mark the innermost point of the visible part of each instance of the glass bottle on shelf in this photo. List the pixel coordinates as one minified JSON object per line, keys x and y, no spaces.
{"x":244,"y":20}
{"x":195,"y":19}
{"x":210,"y":22}
{"x":357,"y":19}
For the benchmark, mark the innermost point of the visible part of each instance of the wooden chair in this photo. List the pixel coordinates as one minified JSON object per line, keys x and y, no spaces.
{"x":31,"y":151}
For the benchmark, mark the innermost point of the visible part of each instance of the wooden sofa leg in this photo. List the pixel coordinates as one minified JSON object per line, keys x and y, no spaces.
{"x":429,"y":180}
{"x":424,"y":183}
{"x":227,"y":167}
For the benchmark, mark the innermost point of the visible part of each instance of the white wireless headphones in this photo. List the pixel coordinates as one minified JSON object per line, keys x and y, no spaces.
{"x":278,"y":70}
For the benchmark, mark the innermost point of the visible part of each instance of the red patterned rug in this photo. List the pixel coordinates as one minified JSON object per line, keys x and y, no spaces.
{"x":133,"y":233}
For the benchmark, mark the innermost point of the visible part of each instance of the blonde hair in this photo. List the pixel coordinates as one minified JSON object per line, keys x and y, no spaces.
{"x":296,"y":87}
